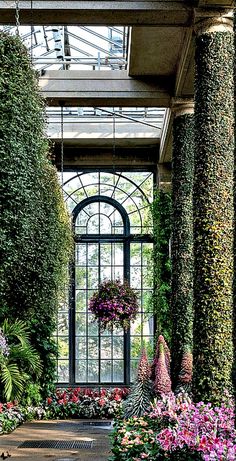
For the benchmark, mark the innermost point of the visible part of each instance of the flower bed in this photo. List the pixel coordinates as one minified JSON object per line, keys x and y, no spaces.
{"x":65,"y":403}
{"x":176,"y":430}
{"x":10,"y":417}
{"x":85,"y":403}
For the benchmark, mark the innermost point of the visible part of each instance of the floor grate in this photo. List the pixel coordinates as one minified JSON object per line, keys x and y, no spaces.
{"x":57,"y":444}
{"x":97,"y":423}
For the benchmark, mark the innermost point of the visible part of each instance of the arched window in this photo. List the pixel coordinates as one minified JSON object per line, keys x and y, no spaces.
{"x":111,"y":225}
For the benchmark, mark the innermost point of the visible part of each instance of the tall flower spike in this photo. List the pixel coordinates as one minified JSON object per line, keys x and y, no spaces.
{"x":141,"y":394}
{"x":160,"y":341}
{"x":144,"y":369}
{"x":162,"y":384}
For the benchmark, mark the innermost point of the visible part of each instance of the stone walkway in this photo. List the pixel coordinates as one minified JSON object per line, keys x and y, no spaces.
{"x":67,"y":432}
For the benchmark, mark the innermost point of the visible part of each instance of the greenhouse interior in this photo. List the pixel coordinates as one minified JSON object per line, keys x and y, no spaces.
{"x":117,"y":230}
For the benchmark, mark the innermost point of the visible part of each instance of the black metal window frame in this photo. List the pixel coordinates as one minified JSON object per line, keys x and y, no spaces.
{"x":126,"y":238}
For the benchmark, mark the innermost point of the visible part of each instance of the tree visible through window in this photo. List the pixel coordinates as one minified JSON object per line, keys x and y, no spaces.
{"x":112,"y":233}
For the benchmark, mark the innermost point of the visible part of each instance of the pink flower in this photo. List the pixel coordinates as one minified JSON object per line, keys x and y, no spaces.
{"x":9,"y":405}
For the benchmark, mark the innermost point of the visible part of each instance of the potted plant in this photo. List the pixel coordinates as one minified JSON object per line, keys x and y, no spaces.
{"x":115,"y":304}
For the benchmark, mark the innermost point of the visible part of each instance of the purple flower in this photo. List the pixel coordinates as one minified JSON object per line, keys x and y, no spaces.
{"x":114,"y":304}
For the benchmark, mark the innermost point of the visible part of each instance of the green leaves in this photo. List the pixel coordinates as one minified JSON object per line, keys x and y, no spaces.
{"x":213,"y":216}
{"x":182,"y":240}
{"x":21,"y":363}
{"x":13,"y":381}
{"x":35,"y":243}
{"x":161,"y":213}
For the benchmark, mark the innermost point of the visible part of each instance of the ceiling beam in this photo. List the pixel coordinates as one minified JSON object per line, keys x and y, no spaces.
{"x":157,"y":12}
{"x":215,"y":3}
{"x":102,"y":88}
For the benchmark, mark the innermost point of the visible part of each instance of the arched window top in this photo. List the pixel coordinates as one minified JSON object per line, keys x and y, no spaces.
{"x":100,"y":215}
{"x":132,"y":190}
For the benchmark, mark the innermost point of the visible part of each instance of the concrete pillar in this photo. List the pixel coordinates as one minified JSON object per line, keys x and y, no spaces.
{"x":182,"y":234}
{"x":213,"y":209}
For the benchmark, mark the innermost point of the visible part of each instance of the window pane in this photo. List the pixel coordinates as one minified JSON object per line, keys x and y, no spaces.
{"x":105,"y":273}
{"x":118,"y":371}
{"x":106,"y":371}
{"x":105,"y":254}
{"x":80,"y":254}
{"x":80,"y":347}
{"x":93,"y":348}
{"x":92,"y":371}
{"x":80,"y":324}
{"x":92,"y":254}
{"x":93,"y":277}
{"x":81,"y":300}
{"x":93,"y":225}
{"x":80,"y":277}
{"x":106,"y":348}
{"x":63,"y":347}
{"x":80,"y":371}
{"x":135,"y":277}
{"x":92,"y":326}
{"x":63,"y":371}
{"x":133,"y":369}
{"x":135,"y":254}
{"x":118,"y":254}
{"x":135,"y":347}
{"x":118,"y":347}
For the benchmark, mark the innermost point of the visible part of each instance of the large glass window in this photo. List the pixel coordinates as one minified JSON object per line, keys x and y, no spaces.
{"x":112,"y":233}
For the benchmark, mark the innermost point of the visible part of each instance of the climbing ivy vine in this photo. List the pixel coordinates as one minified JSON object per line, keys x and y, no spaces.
{"x":161,"y":213}
{"x":182,"y":240}
{"x":213,"y":216}
{"x":35,"y":230}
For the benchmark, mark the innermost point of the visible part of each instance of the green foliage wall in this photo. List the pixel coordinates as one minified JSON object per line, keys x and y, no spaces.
{"x":182,"y":240}
{"x":213,"y":216}
{"x":35,"y":231}
{"x":161,"y":212}
{"x":234,"y":342}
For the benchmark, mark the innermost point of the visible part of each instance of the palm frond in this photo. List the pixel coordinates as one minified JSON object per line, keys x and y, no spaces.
{"x":17,"y":329}
{"x":13,"y":381}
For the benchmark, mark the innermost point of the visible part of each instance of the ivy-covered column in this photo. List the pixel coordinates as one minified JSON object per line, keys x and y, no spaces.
{"x":213,"y":209}
{"x":182,"y":235}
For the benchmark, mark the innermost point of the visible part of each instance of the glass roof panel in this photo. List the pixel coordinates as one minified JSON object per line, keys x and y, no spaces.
{"x":110,"y":124}
{"x":75,"y":47}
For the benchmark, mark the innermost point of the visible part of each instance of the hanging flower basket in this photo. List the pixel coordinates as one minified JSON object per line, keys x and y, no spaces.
{"x":114,"y":304}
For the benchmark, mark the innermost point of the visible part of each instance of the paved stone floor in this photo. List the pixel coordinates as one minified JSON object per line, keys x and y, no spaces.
{"x":68,"y":431}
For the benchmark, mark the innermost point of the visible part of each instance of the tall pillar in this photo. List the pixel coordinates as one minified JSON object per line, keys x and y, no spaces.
{"x":182,"y":234}
{"x":213,"y":209}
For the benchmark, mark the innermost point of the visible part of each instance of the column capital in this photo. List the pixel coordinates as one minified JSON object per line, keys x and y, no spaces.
{"x":182,"y":106}
{"x":207,"y":21}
